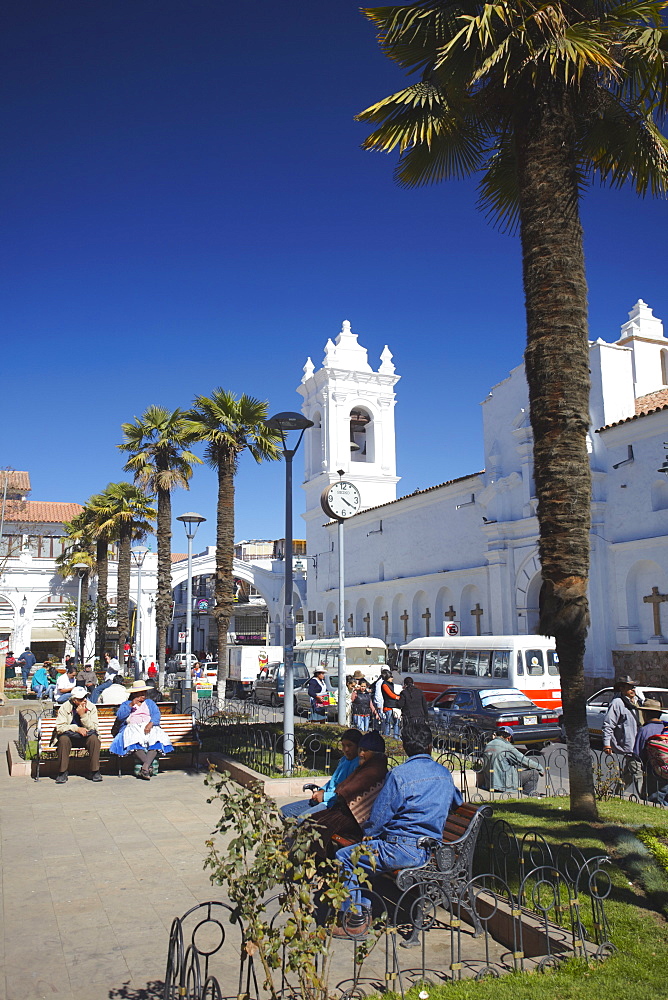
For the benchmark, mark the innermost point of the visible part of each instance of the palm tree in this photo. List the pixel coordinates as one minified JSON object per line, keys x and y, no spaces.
{"x":161,"y":461}
{"x":90,"y":518}
{"x":229,"y":426}
{"x":78,"y":550}
{"x":123,"y":511}
{"x":540,"y":99}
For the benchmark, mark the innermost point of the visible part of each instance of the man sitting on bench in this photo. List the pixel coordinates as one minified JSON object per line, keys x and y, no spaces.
{"x":414,"y":802}
{"x":76,"y":725}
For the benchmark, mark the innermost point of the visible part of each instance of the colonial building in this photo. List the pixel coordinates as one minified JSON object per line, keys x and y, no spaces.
{"x":33,"y":595}
{"x":467,"y":549}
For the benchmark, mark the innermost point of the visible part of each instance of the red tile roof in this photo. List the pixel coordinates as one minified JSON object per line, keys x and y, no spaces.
{"x":16,"y":481}
{"x":42,"y":511}
{"x":644,"y":413}
{"x":652,"y":401}
{"x":178,"y":556}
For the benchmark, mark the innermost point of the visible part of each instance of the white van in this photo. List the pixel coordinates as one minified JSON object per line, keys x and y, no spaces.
{"x":244,"y":663}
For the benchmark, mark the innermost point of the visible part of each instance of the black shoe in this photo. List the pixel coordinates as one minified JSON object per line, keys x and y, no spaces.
{"x":62,"y":778}
{"x":144,"y":775}
{"x":96,"y":776}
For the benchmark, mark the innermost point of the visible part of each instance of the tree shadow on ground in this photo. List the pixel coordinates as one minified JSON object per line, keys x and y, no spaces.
{"x":153,"y":990}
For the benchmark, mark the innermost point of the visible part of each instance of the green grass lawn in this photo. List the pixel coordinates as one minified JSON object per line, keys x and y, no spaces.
{"x":639,"y":969}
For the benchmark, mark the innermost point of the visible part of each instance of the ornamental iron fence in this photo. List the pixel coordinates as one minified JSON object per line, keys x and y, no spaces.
{"x":530,"y":905}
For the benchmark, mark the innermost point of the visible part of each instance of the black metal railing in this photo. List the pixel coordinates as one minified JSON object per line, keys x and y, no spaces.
{"x":529,"y":906}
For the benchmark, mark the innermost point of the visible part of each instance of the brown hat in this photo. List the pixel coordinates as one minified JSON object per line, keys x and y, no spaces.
{"x":651,"y":705}
{"x":359,"y":676}
{"x":625,"y":681}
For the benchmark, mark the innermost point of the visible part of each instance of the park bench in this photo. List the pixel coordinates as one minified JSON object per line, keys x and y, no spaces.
{"x":181,"y":729}
{"x":444,"y":878}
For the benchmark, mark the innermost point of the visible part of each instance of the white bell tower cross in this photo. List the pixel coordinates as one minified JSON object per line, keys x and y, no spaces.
{"x":352,"y":409}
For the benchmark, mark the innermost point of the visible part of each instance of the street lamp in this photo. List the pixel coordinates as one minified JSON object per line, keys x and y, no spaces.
{"x":284,"y":423}
{"x":191,"y":523}
{"x":138,"y":554}
{"x":81,"y":569}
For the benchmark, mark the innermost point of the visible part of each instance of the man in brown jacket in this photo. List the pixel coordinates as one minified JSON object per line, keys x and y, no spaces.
{"x":76,"y":725}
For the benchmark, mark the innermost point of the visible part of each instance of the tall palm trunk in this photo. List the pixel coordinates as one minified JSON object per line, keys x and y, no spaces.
{"x":163,"y":604}
{"x":123,"y":588}
{"x":227,"y":465}
{"x":557,"y":367}
{"x":102,"y":566}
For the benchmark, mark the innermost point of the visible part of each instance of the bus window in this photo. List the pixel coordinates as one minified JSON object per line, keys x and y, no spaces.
{"x":534,"y":659}
{"x":500,"y":663}
{"x":483,"y":664}
{"x":431,"y":661}
{"x":520,"y":665}
{"x":471,"y":663}
{"x":364,"y":656}
{"x":457,"y":662}
{"x":552,"y":663}
{"x":444,"y":662}
{"x":412,"y":666}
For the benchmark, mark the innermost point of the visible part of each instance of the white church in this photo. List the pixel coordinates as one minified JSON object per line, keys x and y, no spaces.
{"x":466,"y":550}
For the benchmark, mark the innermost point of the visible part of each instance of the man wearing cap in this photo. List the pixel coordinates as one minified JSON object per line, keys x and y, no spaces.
{"x":620,"y":724}
{"x":506,"y":769}
{"x":654,"y":788}
{"x":413,"y":803}
{"x":76,"y":726}
{"x":322,"y":797}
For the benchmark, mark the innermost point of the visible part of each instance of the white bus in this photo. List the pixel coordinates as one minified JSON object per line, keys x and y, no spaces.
{"x":363,"y":653}
{"x":527,"y":662}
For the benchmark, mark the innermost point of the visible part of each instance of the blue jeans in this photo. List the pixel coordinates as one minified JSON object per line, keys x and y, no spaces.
{"x":302,"y":808}
{"x":44,"y":690}
{"x":390,"y":724}
{"x":62,"y":698}
{"x":403,"y":854}
{"x":361,"y":722}
{"x":97,"y":691}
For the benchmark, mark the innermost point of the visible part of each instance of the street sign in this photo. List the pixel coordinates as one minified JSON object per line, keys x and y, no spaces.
{"x":451,"y":628}
{"x":183,"y":636}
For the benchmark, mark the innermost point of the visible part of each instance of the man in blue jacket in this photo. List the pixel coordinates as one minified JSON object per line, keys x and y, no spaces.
{"x":27,"y":661}
{"x":414,"y":802}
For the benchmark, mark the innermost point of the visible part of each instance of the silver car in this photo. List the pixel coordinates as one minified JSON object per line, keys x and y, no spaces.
{"x":598,"y":705}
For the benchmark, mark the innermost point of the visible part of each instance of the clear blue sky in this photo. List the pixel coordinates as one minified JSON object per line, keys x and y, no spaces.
{"x":186,"y":205}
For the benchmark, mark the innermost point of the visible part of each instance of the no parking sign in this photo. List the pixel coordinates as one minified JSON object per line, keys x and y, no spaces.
{"x":451,"y":628}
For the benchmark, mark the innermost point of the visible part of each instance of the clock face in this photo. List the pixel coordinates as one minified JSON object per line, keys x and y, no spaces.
{"x":341,"y":500}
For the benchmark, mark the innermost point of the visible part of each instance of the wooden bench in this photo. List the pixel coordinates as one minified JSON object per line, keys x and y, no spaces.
{"x":181,"y":729}
{"x":166,"y":708}
{"x":443,"y":879}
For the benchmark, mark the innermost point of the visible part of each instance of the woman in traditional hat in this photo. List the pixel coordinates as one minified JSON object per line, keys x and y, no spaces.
{"x":354,"y":798}
{"x":140,"y":732}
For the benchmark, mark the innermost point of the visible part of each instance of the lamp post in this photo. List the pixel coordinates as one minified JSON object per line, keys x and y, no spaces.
{"x":284,"y":423}
{"x":81,"y":569}
{"x":139,"y":553}
{"x":191,"y":523}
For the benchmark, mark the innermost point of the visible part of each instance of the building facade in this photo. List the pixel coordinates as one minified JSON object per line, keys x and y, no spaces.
{"x":466,"y":550}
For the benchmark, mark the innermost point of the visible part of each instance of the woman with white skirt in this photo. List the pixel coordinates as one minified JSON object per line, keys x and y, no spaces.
{"x":140,"y":731}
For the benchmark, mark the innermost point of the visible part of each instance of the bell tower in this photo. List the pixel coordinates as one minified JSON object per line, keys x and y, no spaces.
{"x":352,"y":409}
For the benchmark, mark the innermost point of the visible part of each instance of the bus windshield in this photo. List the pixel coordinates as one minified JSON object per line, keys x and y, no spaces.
{"x":364,"y":656}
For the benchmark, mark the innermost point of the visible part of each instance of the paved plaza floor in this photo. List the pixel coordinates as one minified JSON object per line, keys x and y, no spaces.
{"x":94,"y":874}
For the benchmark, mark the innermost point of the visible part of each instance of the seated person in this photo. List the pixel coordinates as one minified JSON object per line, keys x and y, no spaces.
{"x":354,"y":798}
{"x":87,"y":678}
{"x":115,"y":694}
{"x":140,"y":733}
{"x":76,"y":726}
{"x":322,"y":798}
{"x":41,"y":682}
{"x":413,"y":803}
{"x":506,"y":769}
{"x":66,"y":684}
{"x":655,"y":788}
{"x":153,"y":671}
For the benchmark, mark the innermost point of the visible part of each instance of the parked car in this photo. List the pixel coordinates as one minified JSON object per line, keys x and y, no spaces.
{"x":269,"y":686}
{"x":598,"y":704}
{"x":477,"y":713}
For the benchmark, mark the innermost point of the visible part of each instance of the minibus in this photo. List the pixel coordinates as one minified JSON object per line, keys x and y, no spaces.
{"x":527,"y":662}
